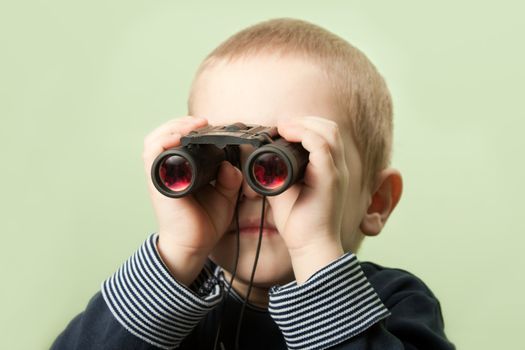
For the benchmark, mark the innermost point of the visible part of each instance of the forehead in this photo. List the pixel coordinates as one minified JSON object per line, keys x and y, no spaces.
{"x":261,"y":90}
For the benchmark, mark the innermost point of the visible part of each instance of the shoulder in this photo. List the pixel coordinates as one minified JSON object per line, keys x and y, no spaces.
{"x":394,"y":284}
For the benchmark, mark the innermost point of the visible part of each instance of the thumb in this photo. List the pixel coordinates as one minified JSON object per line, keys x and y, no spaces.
{"x":219,"y":200}
{"x":228,"y":183}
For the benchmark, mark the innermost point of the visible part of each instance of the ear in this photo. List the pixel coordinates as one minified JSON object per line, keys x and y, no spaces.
{"x":385,"y":196}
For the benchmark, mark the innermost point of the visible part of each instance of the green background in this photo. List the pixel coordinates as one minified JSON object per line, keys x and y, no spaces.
{"x":82,"y":83}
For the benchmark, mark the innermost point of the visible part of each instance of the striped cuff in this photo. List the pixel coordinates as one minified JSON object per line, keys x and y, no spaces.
{"x":149,"y":303}
{"x":334,"y":304}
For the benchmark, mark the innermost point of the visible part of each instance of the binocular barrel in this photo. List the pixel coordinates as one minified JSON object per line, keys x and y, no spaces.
{"x":269,"y":170}
{"x":179,"y":171}
{"x":273,"y":168}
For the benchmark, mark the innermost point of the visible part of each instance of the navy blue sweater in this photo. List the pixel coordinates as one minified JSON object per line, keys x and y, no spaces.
{"x":346,"y":305}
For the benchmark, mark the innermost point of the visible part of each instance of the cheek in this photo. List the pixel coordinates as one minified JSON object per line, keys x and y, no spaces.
{"x":352,"y":214}
{"x":355,"y":205}
{"x":355,"y":210}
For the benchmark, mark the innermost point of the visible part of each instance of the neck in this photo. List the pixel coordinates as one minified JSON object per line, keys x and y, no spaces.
{"x":258,"y":296}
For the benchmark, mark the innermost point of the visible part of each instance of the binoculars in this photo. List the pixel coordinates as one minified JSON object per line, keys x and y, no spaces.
{"x":271,"y":168}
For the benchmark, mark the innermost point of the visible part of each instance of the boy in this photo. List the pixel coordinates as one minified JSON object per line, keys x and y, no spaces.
{"x":309,"y":291}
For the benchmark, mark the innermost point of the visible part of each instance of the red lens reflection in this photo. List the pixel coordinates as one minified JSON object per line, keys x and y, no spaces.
{"x":270,"y":171}
{"x":175,"y":173}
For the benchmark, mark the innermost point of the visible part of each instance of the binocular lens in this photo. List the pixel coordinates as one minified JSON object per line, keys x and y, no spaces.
{"x":175,"y":173}
{"x":269,"y":170}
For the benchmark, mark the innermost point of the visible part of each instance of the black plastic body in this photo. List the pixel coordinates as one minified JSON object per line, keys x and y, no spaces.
{"x":207,"y":147}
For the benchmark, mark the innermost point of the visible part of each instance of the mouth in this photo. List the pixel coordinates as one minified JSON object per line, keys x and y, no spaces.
{"x":252,"y":227}
{"x":255,"y":231}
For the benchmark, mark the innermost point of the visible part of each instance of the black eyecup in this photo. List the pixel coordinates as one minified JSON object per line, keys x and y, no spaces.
{"x":204,"y":160}
{"x":155,"y":172}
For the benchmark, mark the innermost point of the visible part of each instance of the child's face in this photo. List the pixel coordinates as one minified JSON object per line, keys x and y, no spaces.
{"x":262,"y":90}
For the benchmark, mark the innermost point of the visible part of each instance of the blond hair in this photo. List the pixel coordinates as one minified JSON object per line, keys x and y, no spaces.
{"x":360,"y":90}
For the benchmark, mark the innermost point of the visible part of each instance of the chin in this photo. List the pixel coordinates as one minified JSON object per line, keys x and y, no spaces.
{"x":273,"y":267}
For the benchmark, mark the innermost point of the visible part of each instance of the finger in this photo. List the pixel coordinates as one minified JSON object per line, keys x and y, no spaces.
{"x":327,"y":128}
{"x":159,"y":145}
{"x":321,"y":170}
{"x":168,"y":136}
{"x":174,"y":126}
{"x":221,"y":196}
{"x":229,"y":179}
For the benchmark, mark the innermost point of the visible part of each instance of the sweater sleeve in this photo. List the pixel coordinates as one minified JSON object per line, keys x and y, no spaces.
{"x":332,"y":306}
{"x":141,"y":306}
{"x":338,"y":308}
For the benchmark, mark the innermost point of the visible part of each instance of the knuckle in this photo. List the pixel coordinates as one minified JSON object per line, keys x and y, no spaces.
{"x":333,"y":130}
{"x":321,"y":159}
{"x":332,"y":123}
{"x":334,"y":133}
{"x":323,"y":146}
{"x":314,"y":158}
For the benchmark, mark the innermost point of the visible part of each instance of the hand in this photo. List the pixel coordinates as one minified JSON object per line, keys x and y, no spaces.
{"x":189,"y":227}
{"x":311,"y":225}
